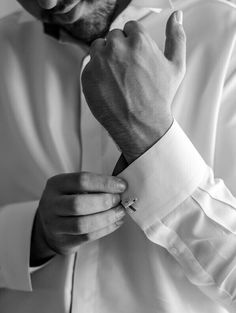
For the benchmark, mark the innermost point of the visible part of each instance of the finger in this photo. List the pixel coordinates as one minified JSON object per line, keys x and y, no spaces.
{"x":133,"y":29}
{"x":175,"y":49}
{"x":86,"y":204}
{"x":47,"y":4}
{"x":89,"y":223}
{"x":75,"y":183}
{"x":97,"y":46}
{"x":72,"y":241}
{"x":116,"y":35}
{"x":104,"y":231}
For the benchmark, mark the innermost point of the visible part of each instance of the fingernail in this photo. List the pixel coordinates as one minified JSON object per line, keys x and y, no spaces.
{"x":121,"y":185}
{"x":120,"y":213}
{"x":179,"y":17}
{"x":115,"y":199}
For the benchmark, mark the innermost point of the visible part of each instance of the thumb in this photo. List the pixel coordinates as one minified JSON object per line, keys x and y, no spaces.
{"x":175,"y":48}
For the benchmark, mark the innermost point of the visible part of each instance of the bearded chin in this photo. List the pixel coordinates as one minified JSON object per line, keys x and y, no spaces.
{"x":88,"y":31}
{"x":94,"y":25}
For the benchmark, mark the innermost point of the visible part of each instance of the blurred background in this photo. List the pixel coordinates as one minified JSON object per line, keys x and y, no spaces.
{"x":8,"y":6}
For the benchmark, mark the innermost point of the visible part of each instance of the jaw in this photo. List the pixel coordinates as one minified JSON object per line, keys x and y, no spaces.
{"x":91,"y":27}
{"x":89,"y":20}
{"x":85,"y":20}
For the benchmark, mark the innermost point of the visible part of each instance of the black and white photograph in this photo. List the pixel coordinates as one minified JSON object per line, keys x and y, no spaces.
{"x":117,"y":156}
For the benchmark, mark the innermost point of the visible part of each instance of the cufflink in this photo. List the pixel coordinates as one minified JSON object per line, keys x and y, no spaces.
{"x":128,"y":203}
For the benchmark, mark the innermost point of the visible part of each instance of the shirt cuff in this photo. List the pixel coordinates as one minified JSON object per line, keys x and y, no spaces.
{"x":16,"y":221}
{"x":162,"y":178}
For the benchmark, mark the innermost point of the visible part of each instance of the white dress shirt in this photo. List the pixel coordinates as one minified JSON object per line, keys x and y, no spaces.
{"x":177,"y":252}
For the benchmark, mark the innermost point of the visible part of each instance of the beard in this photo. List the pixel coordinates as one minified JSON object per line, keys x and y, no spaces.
{"x":94,"y":20}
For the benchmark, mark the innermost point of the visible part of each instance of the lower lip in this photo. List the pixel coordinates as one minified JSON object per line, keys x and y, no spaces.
{"x":66,"y":9}
{"x":69,"y":17}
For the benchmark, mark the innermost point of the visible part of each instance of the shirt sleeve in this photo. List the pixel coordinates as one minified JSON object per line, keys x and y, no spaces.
{"x":180,"y":206}
{"x":16,"y":221}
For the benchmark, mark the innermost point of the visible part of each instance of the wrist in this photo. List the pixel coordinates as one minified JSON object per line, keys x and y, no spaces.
{"x":40,"y":252}
{"x":142,"y":139}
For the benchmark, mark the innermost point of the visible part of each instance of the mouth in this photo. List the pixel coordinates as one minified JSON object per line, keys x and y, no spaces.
{"x":65,"y":8}
{"x":65,"y":14}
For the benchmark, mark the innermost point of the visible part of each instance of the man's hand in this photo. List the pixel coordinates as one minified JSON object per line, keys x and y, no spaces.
{"x":75,"y":208}
{"x":130,"y":84}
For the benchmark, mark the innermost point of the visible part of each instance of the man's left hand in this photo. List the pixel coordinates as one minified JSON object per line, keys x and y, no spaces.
{"x":129,"y":84}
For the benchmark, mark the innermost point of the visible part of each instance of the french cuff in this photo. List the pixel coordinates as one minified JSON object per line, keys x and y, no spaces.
{"x":162,"y":178}
{"x":16,"y":222}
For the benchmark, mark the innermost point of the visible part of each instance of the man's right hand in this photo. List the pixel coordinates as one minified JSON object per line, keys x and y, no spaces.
{"x":73,"y":209}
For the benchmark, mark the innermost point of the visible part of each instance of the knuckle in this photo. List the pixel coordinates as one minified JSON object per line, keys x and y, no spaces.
{"x":54,"y":181}
{"x":132,"y":24}
{"x":77,"y":226}
{"x":110,"y":200}
{"x":51,"y":181}
{"x":83,"y":180}
{"x":107,"y":200}
{"x":115,"y":46}
{"x":75,"y":205}
{"x":112,"y":35}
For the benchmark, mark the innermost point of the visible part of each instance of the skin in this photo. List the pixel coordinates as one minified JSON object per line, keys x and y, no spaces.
{"x":135,"y":84}
{"x":75,"y":208}
{"x":85,"y":20}
{"x":133,"y":89}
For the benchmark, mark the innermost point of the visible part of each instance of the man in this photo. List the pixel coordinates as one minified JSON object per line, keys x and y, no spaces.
{"x":176,"y":249}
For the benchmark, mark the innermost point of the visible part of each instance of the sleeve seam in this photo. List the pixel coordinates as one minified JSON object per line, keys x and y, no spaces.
{"x":191,"y":256}
{"x":214,"y":198}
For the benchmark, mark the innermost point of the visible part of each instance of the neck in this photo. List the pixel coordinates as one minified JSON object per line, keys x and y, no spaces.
{"x":121,"y":6}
